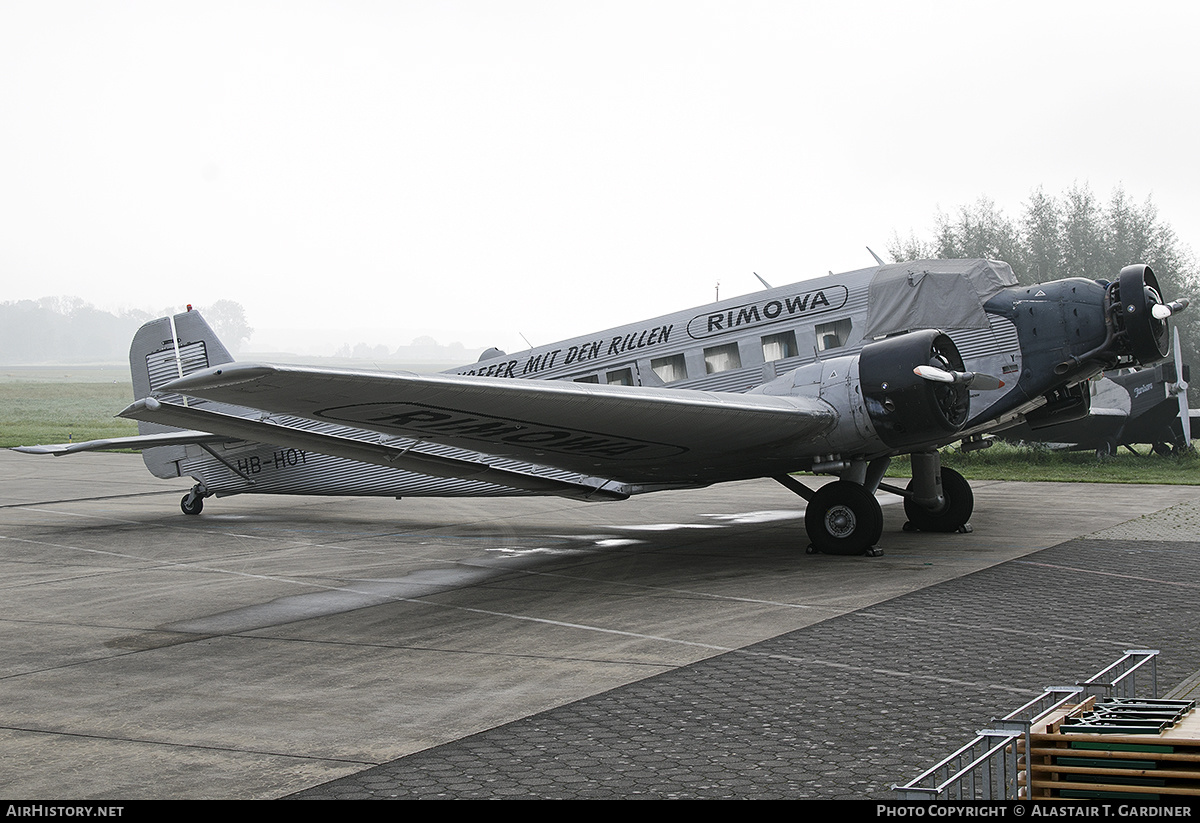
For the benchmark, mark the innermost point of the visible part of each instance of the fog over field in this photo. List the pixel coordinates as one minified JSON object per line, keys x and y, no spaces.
{"x":376,"y":172}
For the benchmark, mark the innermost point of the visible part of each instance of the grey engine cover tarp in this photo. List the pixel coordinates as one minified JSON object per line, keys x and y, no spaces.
{"x":934,"y":294}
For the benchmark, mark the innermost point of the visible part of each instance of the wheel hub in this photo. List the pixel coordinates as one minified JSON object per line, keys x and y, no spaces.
{"x":840,"y":521}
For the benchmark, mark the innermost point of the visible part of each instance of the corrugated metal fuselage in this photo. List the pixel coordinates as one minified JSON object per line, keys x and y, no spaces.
{"x":730,"y":346}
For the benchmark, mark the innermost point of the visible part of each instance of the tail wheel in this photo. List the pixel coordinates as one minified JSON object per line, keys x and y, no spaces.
{"x":955,"y":512}
{"x":843,"y":518}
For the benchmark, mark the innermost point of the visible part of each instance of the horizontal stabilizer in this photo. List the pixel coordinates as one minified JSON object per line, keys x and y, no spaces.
{"x":147,"y":441}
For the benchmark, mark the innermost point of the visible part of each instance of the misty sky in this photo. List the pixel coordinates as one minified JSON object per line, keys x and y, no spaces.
{"x":481,"y":170}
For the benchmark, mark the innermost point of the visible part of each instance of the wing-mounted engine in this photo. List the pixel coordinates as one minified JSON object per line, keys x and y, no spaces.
{"x":896,"y":394}
{"x":908,"y":409}
{"x":907,"y":393}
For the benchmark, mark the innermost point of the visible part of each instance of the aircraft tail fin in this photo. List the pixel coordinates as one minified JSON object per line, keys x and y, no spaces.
{"x":164,"y":350}
{"x":172,"y":347}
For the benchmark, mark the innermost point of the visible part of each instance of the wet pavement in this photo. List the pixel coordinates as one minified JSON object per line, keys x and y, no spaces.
{"x":673,"y":645}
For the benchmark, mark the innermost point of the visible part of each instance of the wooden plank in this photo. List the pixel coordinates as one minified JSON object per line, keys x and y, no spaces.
{"x":1070,"y":761}
{"x":1055,"y":785}
{"x":1109,"y":753}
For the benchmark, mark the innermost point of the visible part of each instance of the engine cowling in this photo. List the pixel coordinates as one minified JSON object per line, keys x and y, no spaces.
{"x":1146,"y":337}
{"x":905,"y":409}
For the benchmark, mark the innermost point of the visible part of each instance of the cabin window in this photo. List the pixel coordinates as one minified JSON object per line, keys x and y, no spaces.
{"x":669,"y":369}
{"x":779,"y":346}
{"x":588,"y":378}
{"x":722,"y":358}
{"x":833,"y":335}
{"x":620,"y":377}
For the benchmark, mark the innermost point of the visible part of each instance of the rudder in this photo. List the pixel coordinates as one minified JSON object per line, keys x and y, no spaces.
{"x":164,"y":350}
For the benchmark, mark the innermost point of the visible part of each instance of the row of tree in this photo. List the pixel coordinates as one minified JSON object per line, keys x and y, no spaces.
{"x":1074,"y":234}
{"x":424,"y":349}
{"x":70,"y":330}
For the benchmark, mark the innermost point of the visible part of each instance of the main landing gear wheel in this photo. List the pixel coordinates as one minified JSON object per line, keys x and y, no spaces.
{"x":955,"y":512}
{"x":192,"y":503}
{"x":843,"y":518}
{"x":1168,"y":448}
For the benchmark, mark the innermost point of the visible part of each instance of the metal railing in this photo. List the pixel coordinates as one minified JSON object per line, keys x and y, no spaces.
{"x":990,"y":768}
{"x":1120,"y":678}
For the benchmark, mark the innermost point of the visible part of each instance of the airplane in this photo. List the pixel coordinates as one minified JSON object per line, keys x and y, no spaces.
{"x":835,"y":376}
{"x":1128,"y":407}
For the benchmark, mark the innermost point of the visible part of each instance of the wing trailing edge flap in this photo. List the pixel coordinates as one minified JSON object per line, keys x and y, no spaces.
{"x":631,"y":434}
{"x":145,"y":441}
{"x":229,"y":427}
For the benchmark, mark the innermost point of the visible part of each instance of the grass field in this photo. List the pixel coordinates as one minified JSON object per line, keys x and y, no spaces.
{"x":1006,"y":461}
{"x":52,"y":406}
{"x":33,"y":412}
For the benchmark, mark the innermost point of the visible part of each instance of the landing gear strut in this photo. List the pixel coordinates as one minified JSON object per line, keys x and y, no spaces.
{"x":844,"y":517}
{"x":937,"y":499}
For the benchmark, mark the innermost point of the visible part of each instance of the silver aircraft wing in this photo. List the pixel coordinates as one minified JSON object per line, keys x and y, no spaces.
{"x":376,"y":451}
{"x":629,"y":434}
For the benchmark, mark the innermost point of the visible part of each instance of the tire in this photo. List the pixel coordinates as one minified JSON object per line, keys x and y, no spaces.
{"x":960,"y":503}
{"x":843,"y":518}
{"x":191,"y":505}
